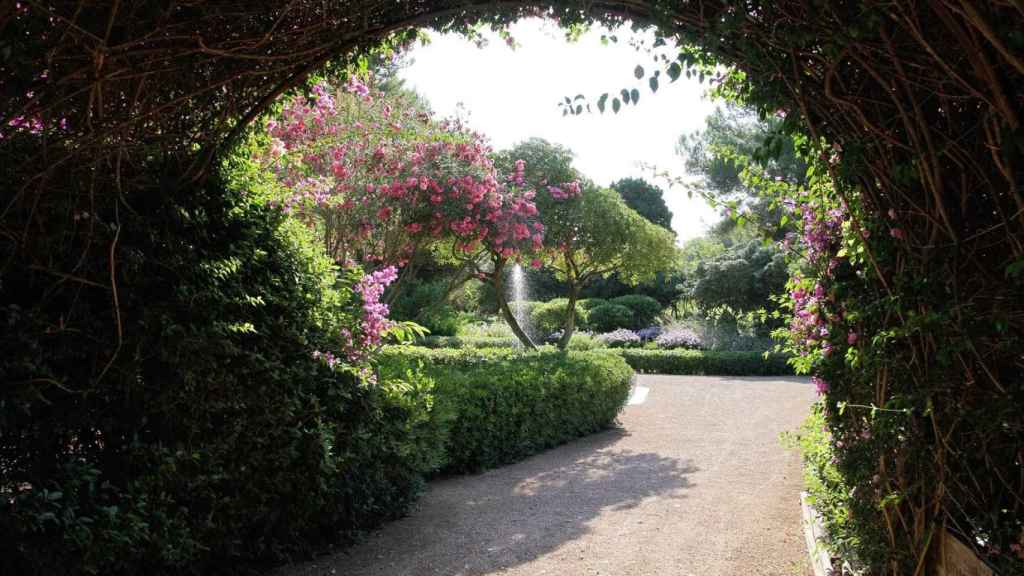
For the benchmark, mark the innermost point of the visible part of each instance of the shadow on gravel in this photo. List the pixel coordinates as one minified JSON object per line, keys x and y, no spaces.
{"x":478,"y":525}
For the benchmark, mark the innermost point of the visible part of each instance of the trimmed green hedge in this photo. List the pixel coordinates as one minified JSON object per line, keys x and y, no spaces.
{"x":687,"y":362}
{"x":505,"y":406}
{"x":460,"y":342}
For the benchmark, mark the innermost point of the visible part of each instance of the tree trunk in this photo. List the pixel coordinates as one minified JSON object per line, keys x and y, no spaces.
{"x":499,"y":292}
{"x":570,"y":319}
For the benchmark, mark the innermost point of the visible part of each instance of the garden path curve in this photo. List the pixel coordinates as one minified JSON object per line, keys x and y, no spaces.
{"x":694,"y":483}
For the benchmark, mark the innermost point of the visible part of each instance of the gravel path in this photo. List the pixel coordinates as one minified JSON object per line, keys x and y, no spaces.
{"x":695,"y":483}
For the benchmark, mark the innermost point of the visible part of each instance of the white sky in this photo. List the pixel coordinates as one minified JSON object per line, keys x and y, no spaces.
{"x":511,"y":95}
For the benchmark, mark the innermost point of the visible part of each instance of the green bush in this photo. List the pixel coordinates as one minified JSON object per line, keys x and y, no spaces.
{"x":685,"y":362}
{"x":645,"y":309}
{"x":507,"y":405}
{"x":197,"y":433}
{"x":550,"y":317}
{"x":609,"y":317}
{"x":493,"y":327}
{"x":426,"y":304}
{"x":589,"y":304}
{"x":461,"y":342}
{"x":828,"y":491}
{"x":582,"y":341}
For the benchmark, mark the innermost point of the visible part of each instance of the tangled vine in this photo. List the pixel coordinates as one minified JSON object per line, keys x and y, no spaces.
{"x":916,"y":107}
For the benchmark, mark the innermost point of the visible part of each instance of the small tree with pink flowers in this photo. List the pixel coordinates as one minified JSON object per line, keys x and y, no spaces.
{"x":381,"y":183}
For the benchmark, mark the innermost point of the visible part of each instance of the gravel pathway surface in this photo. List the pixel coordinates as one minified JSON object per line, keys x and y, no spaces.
{"x":694,"y":483}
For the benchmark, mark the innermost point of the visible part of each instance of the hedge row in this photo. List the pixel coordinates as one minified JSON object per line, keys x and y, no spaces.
{"x":505,"y":405}
{"x":693,"y":362}
{"x":214,"y":439}
{"x":677,"y":362}
{"x":461,"y":342}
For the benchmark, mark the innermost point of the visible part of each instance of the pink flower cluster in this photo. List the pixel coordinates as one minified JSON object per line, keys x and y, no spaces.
{"x":357,"y":344}
{"x":820,"y":386}
{"x":808,"y":328}
{"x":385,"y":180}
{"x":821,"y":230}
{"x":566,"y":191}
{"x":326,"y":357}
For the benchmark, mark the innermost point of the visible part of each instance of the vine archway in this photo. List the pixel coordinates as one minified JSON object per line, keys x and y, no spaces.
{"x":109,"y":104}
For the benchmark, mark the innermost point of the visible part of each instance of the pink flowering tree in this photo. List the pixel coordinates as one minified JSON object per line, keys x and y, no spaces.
{"x":377,"y":178}
{"x":381,"y":182}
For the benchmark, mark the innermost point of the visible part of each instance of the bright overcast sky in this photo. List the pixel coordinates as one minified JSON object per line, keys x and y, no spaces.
{"x":511,"y":95}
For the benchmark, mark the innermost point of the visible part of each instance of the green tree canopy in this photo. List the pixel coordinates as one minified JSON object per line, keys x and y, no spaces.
{"x":739,"y":280}
{"x":734,"y":145}
{"x":590,"y":232}
{"x":647,"y":199}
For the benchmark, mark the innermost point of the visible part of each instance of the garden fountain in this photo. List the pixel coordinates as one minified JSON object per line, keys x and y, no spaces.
{"x":518,"y":296}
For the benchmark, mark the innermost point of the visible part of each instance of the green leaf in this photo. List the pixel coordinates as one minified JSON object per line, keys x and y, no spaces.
{"x":653,"y":83}
{"x":616,"y":105}
{"x":638,"y":72}
{"x":601,"y":102}
{"x":625,"y":96}
{"x":674,"y":71}
{"x":1015,"y":269}
{"x":635,"y":95}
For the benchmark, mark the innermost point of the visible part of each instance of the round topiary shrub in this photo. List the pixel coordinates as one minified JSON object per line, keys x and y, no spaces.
{"x":609,"y":317}
{"x":645,"y":309}
{"x":550,"y":317}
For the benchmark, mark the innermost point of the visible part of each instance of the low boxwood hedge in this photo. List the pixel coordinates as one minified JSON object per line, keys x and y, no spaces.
{"x":460,"y":342}
{"x":687,"y":362}
{"x":506,"y":405}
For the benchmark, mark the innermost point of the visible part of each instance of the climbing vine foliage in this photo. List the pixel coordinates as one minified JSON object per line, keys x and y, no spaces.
{"x":909,"y":311}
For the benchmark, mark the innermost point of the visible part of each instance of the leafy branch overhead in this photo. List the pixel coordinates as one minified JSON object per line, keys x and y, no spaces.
{"x":688,"y":62}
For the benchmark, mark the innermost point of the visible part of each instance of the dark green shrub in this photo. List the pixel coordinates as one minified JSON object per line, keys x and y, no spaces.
{"x":551,"y":316}
{"x":195,"y":433}
{"x":645,"y":309}
{"x":507,"y":405}
{"x":426,"y":304}
{"x":609,"y":317}
{"x":685,"y":362}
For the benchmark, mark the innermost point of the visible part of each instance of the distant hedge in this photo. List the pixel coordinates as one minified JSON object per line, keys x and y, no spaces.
{"x":460,"y":342}
{"x":687,"y":362}
{"x":505,"y":405}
